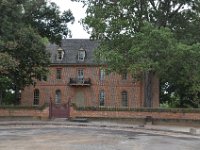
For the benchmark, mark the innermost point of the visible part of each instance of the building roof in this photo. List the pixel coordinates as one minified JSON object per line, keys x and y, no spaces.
{"x":70,"y":48}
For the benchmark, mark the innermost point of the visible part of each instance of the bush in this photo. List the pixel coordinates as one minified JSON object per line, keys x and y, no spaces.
{"x":23,"y":107}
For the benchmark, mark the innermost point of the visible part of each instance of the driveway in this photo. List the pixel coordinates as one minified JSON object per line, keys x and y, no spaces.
{"x":88,"y":138}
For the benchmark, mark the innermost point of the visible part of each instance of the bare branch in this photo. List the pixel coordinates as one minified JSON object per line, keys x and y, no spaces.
{"x":174,"y":12}
{"x":153,"y":4}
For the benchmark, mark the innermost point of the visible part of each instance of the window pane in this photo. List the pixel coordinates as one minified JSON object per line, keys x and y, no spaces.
{"x":102,"y":74}
{"x":58,"y":73}
{"x":81,"y":55}
{"x":58,"y":96}
{"x":101,"y":98}
{"x":124,"y":98}
{"x":36,"y":97}
{"x":80,"y":73}
{"x":60,"y":55}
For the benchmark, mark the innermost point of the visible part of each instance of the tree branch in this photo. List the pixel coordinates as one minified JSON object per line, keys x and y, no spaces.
{"x":174,"y":12}
{"x":153,"y":4}
{"x":178,"y":8}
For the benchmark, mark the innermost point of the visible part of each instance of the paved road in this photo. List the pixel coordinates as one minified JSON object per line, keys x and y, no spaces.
{"x":84,"y":138}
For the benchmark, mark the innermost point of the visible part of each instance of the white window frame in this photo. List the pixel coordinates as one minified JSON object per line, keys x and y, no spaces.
{"x":60,"y":54}
{"x":80,"y":75}
{"x":81,"y":55}
{"x":124,"y":95}
{"x":58,"y":96}
{"x":102,"y":74}
{"x":36,"y":99}
{"x":58,"y":73}
{"x":102,"y":98}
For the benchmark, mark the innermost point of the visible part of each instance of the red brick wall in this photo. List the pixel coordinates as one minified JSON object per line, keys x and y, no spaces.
{"x":113,"y":85}
{"x":132,"y":114}
{"x":6,"y":112}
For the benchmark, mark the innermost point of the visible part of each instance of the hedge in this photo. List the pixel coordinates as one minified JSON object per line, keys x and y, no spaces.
{"x":173,"y":110}
{"x":17,"y":107}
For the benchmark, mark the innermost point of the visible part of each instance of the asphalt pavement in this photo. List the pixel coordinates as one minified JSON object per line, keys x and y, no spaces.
{"x":105,"y":124}
{"x":94,"y":135}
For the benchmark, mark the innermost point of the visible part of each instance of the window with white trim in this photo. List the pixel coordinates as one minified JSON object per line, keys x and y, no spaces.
{"x":58,"y":73}
{"x":58,"y":97}
{"x":80,"y":75}
{"x":101,"y":98}
{"x":81,"y":55}
{"x":60,"y":54}
{"x":102,"y":74}
{"x":124,"y":98}
{"x":36,"y":97}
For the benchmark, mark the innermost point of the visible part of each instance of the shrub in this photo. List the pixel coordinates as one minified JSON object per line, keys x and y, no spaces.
{"x":173,"y":110}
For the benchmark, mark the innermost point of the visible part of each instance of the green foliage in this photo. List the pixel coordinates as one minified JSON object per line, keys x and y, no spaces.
{"x":6,"y":63}
{"x":171,"y":110}
{"x":14,"y":107}
{"x":5,"y":82}
{"x":110,"y":18}
{"x":25,"y":29}
{"x":46,"y":18}
{"x":160,"y":37}
{"x":8,"y":98}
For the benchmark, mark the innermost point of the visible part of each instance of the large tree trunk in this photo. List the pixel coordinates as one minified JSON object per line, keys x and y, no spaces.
{"x":148,"y":77}
{"x":17,"y":96}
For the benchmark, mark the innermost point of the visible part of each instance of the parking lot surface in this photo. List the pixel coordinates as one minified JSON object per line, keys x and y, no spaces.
{"x":88,"y":138}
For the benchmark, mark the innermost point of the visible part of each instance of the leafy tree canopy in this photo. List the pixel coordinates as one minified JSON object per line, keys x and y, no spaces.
{"x":6,"y":63}
{"x":156,"y":36}
{"x":25,"y":28}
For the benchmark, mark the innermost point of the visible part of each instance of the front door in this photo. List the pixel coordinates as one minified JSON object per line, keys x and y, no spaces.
{"x":79,"y":98}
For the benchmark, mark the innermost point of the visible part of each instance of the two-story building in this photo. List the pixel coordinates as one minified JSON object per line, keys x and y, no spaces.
{"x":74,"y":74}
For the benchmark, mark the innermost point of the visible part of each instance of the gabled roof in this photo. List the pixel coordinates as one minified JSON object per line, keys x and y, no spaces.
{"x":71,"y":48}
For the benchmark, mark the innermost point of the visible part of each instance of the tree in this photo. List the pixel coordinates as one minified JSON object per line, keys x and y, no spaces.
{"x":7,"y":63}
{"x":25,"y":28}
{"x":139,"y":29}
{"x":182,"y":80}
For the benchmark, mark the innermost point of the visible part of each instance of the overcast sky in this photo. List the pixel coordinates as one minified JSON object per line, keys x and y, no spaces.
{"x":78,"y":12}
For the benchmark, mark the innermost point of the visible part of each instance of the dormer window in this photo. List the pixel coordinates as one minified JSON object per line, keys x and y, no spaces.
{"x":81,"y":54}
{"x":60,"y":54}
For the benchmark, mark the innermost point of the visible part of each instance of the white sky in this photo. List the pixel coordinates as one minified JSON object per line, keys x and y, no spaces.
{"x":78,"y":12}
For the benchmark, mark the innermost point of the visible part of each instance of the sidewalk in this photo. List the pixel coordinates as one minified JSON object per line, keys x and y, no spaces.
{"x":174,"y":129}
{"x":106,"y":124}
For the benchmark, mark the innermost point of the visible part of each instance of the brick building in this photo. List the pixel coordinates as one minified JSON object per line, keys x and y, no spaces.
{"x":75,"y":75}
